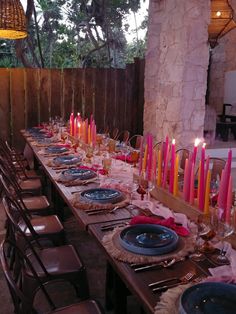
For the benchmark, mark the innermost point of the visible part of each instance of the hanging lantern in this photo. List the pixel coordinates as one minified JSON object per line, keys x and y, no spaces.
{"x":12,"y":20}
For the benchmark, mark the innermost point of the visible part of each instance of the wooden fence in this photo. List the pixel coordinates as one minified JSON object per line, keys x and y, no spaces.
{"x":29,"y":96}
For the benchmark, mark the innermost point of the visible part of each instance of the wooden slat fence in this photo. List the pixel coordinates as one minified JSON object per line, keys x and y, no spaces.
{"x":29,"y":96}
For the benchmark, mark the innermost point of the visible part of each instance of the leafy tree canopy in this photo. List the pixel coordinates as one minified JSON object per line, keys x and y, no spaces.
{"x":73,"y":33}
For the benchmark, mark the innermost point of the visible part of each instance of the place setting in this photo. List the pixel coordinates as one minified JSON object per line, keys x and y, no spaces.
{"x":100,"y":201}
{"x":147,"y":240}
{"x":77,"y":176}
{"x":204,"y":297}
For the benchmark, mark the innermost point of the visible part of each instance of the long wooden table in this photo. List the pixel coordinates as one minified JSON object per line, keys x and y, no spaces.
{"x":137,"y":283}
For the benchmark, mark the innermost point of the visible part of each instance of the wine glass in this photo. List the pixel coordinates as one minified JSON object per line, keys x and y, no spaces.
{"x":99,"y":142}
{"x":134,"y":157}
{"x":224,"y":227}
{"x":142,"y":186}
{"x":150,"y":185}
{"x":89,"y":153}
{"x":206,"y":232}
{"x":106,"y":162}
{"x":63,"y":137}
{"x":214,"y":192}
{"x":197,"y":255}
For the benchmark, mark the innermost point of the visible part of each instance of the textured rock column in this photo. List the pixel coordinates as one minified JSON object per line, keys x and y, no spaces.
{"x":176,"y":69}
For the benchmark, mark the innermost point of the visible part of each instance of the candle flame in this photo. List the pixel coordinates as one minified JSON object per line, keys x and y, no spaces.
{"x":204,"y":145}
{"x":173,"y":141}
{"x":197,"y":141}
{"x":78,"y":114}
{"x":79,"y":124}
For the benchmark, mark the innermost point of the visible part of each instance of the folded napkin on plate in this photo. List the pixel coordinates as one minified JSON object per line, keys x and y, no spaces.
{"x":169,"y":223}
{"x":63,"y":145}
{"x":95,"y":168}
{"x":125,"y":158}
{"x":159,"y":209}
{"x":116,"y":186}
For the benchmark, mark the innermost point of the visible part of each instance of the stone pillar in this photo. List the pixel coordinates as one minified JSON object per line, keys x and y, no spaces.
{"x":176,"y":69}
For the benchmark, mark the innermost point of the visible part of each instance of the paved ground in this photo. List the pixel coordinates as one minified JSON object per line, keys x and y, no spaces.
{"x":93,"y":258}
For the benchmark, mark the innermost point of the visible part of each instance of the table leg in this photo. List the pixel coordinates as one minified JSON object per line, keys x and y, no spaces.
{"x":116,"y":292}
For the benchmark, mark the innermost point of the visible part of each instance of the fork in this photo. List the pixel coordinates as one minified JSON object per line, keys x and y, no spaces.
{"x":90,"y":211}
{"x":164,"y":264}
{"x":102,"y":211}
{"x":182,"y":280}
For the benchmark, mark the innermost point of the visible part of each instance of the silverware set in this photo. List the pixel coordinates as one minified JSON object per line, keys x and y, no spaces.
{"x":165,"y":264}
{"x":94,"y":211}
{"x":113,"y":225}
{"x":172,"y":282}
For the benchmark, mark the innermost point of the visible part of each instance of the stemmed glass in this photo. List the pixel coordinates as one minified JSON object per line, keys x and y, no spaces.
{"x":150,"y":185}
{"x":63,"y":137}
{"x":206,"y":232}
{"x":106,"y":162}
{"x":213,"y":192}
{"x":134,"y":157}
{"x":224,"y":227}
{"x":197,"y":255}
{"x":89,"y":153}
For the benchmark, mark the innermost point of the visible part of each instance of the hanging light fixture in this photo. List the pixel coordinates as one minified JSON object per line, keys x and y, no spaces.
{"x":222,"y":21}
{"x":12,"y":20}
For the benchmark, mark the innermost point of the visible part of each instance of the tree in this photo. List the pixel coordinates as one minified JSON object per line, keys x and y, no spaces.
{"x":77,"y":33}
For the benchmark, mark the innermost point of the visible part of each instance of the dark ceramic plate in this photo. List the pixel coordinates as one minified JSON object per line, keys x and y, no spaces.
{"x":80,"y":173}
{"x":66,"y":160}
{"x":44,"y":140}
{"x":148,"y":239}
{"x":56,"y":149}
{"x":101,"y":195}
{"x":33,"y":130}
{"x":209,"y":298}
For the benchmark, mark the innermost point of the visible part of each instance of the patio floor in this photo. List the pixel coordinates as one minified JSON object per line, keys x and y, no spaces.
{"x":93,"y":258}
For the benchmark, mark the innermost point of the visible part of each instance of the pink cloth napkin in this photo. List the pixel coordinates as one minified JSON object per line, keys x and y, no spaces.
{"x":95,"y":168}
{"x":122,"y":158}
{"x":169,"y":223}
{"x":64,"y":145}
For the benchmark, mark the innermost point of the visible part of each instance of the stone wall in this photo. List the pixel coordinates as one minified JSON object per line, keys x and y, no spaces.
{"x":176,"y":69}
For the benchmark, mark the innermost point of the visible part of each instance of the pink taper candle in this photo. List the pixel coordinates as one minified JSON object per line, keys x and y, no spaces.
{"x":191,"y":194}
{"x":202,"y":179}
{"x":185,"y":179}
{"x":229,"y":201}
{"x":166,"y":160}
{"x":172,"y":167}
{"x":224,"y":183}
{"x":72,"y":123}
{"x":196,"y":143}
{"x":150,"y":149}
{"x":140,"y":157}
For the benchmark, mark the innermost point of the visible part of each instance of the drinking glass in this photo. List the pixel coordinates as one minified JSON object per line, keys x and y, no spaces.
{"x":197,"y":255}
{"x":134,"y":157}
{"x":142,"y":187}
{"x":106,"y":162}
{"x":214,"y":192}
{"x":224,"y":227}
{"x":206,"y":232}
{"x":63,"y":137}
{"x":89,"y":153}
